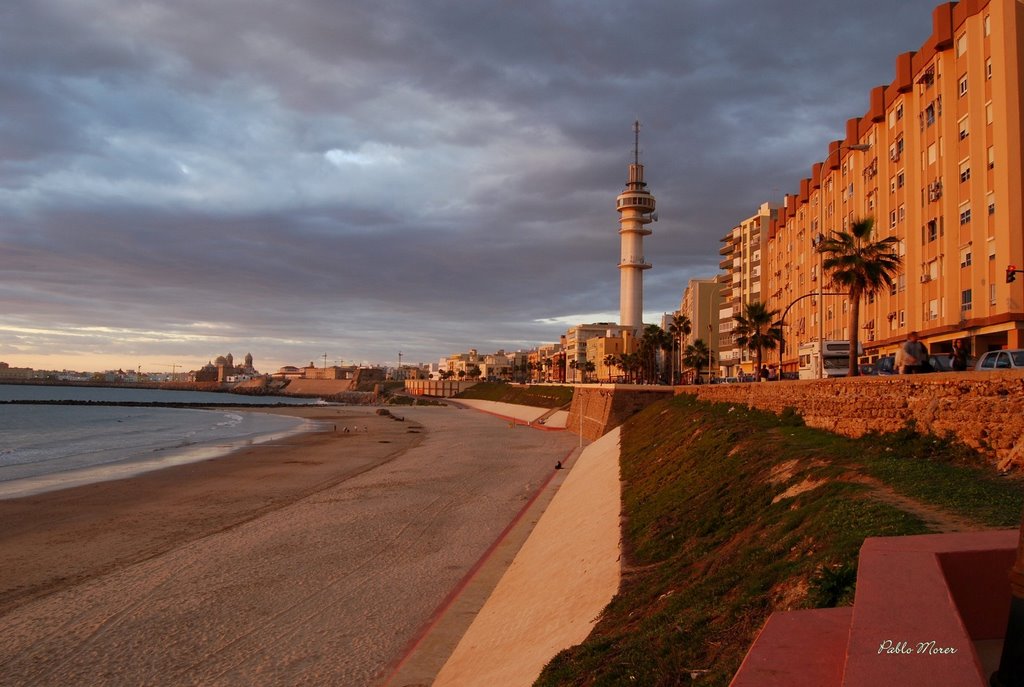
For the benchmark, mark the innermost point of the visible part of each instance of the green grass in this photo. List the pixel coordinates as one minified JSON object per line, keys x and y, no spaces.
{"x":709,"y":556}
{"x":536,"y":395}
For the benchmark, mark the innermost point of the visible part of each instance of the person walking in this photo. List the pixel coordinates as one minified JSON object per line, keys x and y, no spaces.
{"x":915,"y":356}
{"x":959,"y":357}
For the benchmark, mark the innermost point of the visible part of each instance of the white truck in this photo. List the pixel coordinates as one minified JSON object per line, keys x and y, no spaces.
{"x":836,"y":359}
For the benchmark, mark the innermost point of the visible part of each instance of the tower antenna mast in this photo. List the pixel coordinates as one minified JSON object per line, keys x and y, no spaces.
{"x":636,"y":142}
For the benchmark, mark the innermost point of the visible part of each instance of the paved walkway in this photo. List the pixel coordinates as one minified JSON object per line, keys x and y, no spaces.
{"x":560,"y":581}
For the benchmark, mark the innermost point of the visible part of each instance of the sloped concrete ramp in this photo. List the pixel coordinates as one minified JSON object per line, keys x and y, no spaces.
{"x":559,"y":583}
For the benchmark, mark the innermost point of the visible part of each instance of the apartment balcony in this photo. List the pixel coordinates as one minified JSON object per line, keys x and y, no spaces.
{"x":726,"y":264}
{"x":727,"y":249}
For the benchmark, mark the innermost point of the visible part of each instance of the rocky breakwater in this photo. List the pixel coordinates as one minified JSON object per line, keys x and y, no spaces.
{"x":985,"y":410}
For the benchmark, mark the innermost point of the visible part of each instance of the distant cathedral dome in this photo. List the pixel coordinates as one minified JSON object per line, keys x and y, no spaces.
{"x":230,"y":360}
{"x":220,"y":360}
{"x":248,"y":359}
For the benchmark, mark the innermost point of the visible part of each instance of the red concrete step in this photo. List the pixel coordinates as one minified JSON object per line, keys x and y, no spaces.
{"x":798,"y":649}
{"x":921,"y":604}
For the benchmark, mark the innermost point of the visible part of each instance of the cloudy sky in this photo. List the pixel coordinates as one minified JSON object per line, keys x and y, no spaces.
{"x":180,"y":179}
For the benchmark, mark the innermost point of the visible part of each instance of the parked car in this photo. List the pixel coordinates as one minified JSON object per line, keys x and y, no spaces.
{"x":885,"y":366}
{"x":1010,"y":359}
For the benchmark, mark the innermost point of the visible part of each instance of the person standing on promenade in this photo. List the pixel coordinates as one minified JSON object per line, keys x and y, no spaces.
{"x":959,"y":357}
{"x":915,"y":356}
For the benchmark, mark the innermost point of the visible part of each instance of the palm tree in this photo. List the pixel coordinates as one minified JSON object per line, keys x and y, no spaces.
{"x":652,"y":340}
{"x":588,"y":368}
{"x":679,"y":327}
{"x":611,"y":361}
{"x":863,"y":267}
{"x":756,"y":330}
{"x":697,"y":355}
{"x":630,"y":363}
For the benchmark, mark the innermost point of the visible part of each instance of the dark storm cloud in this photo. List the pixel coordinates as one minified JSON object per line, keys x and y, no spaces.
{"x":181,"y":177}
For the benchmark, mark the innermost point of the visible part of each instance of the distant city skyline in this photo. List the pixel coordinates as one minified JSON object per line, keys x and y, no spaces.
{"x":179,"y":180}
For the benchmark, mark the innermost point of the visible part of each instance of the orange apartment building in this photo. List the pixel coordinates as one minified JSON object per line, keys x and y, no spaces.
{"x":937,"y":162}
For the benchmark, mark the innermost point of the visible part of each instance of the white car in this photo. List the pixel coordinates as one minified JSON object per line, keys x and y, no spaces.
{"x":1010,"y":359}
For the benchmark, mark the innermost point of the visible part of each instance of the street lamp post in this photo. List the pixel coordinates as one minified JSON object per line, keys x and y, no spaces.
{"x":710,"y":334}
{"x":816,"y":242}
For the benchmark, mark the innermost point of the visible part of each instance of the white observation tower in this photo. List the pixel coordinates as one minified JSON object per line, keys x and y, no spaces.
{"x":635,"y":206}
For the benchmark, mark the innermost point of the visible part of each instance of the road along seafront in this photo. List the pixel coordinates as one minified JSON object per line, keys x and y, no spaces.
{"x":315,"y":560}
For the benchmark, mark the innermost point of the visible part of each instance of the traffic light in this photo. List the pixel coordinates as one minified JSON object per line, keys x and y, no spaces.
{"x":1011,"y":274}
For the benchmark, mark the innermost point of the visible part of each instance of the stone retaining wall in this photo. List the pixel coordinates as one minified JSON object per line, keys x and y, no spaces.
{"x":441,"y":388}
{"x":983,"y":409}
{"x":606,"y":406}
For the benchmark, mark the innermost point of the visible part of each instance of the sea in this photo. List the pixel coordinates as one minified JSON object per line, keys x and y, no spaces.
{"x":49,"y":446}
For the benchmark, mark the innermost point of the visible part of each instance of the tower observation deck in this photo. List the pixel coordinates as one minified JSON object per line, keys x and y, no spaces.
{"x":635,"y":206}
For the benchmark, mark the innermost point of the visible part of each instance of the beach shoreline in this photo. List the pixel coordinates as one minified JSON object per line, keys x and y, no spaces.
{"x":311,"y":560}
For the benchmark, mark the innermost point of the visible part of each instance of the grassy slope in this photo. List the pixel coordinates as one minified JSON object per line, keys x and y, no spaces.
{"x":709,"y":556}
{"x":536,"y":395}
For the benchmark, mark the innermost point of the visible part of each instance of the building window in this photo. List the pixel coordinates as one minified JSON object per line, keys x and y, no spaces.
{"x":964,"y":131}
{"x":965,"y":256}
{"x":965,"y":213}
{"x":900,"y":179}
{"x":990,"y":200}
{"x":931,"y":231}
{"x":929,"y":114}
{"x":991,"y":294}
{"x":903,"y":318}
{"x":992,"y":248}
{"x":961,"y":45}
{"x":965,"y":300}
{"x":962,"y":85}
{"x":988,"y":68}
{"x":991,"y":157}
{"x":965,"y":171}
{"x":988,"y":25}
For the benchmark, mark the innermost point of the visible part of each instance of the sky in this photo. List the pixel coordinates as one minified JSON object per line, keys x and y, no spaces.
{"x":181,"y":179}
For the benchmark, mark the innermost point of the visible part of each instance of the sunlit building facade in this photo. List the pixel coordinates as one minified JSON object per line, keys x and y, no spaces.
{"x":936,"y":162}
{"x":742,"y":256}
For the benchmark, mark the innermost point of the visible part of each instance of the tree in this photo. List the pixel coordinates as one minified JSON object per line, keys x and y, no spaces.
{"x":861,"y":266}
{"x":652,"y":340}
{"x":630,"y":364}
{"x":679,"y":327}
{"x":588,"y":368}
{"x":756,"y":330}
{"x":611,"y":361}
{"x":697,"y":355}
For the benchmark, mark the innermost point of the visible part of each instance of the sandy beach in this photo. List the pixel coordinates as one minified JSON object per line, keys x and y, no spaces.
{"x":314,"y":560}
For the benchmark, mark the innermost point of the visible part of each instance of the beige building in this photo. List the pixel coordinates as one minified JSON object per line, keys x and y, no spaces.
{"x":600,"y":347}
{"x":937,"y":162}
{"x":576,"y":339}
{"x":742,"y":254}
{"x":702,"y":304}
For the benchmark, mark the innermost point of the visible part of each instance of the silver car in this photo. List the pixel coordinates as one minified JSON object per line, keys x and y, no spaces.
{"x":1011,"y":359}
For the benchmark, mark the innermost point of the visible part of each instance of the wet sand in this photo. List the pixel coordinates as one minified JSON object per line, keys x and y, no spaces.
{"x":313,"y":560}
